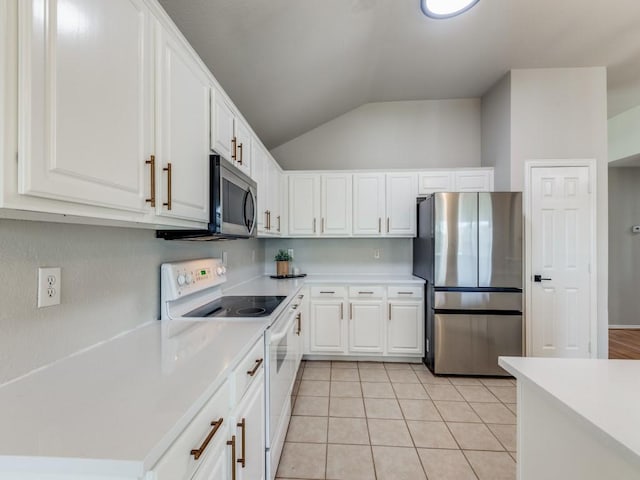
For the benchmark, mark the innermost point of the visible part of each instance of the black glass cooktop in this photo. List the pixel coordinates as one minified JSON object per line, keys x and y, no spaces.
{"x":232,"y":307}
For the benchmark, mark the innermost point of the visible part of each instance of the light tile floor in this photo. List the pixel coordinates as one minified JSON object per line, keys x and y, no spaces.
{"x":397,"y":421}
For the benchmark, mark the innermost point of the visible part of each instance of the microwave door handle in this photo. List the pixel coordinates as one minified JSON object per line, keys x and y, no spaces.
{"x":250,"y":223}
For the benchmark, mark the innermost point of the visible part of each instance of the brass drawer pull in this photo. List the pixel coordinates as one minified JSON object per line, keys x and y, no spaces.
{"x":388,"y":221}
{"x":379,"y":225}
{"x":389,"y":311}
{"x":365,"y":293}
{"x":232,"y":442}
{"x":168,"y":170}
{"x":322,"y":225}
{"x":322,"y":291}
{"x":243,"y":424}
{"x":299,"y":318}
{"x":314,"y":225}
{"x":405,"y":293}
{"x":240,"y":148}
{"x":234,"y":147}
{"x":341,"y":310}
{"x":197,"y":453}
{"x":152,"y":163}
{"x":251,"y":373}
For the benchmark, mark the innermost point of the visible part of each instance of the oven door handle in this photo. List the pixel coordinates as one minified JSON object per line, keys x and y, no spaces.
{"x":279,"y":336}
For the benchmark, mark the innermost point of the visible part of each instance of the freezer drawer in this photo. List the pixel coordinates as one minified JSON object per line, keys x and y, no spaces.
{"x":470,"y":344}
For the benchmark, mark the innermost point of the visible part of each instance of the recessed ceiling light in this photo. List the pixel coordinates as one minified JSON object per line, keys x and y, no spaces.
{"x":445,"y":8}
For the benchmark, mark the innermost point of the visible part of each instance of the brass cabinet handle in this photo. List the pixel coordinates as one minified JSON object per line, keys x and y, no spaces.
{"x":168,"y":170}
{"x":326,"y":291}
{"x":269,"y":213}
{"x":314,"y":225}
{"x":152,"y":163}
{"x":243,"y":460}
{"x":232,"y":442}
{"x":278,"y":217}
{"x":322,"y":225}
{"x":341,"y":310}
{"x":365,"y":293}
{"x":234,"y":147}
{"x":240,"y":148}
{"x":351,"y":311}
{"x":251,"y":373}
{"x":266,"y":219}
{"x":389,"y":311}
{"x":405,"y":293}
{"x":299,"y":318}
{"x":379,"y":225}
{"x":197,"y":452}
{"x":388,"y":221}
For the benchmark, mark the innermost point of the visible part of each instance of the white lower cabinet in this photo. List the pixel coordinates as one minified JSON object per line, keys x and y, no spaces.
{"x":405,"y":327}
{"x":369,"y":320}
{"x":250,"y":433}
{"x":366,"y":326}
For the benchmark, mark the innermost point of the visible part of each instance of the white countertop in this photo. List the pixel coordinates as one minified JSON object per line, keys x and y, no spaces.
{"x":604,"y":394}
{"x":363,"y":279}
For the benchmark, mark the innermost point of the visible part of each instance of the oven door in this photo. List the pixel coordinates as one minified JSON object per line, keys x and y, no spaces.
{"x":282,"y":366}
{"x":235,"y":206}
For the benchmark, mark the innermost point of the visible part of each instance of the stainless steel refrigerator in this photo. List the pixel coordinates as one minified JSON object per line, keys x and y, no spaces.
{"x":469,"y":250}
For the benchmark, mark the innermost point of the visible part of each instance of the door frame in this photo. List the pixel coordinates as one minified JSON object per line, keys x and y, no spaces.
{"x":593,"y":267}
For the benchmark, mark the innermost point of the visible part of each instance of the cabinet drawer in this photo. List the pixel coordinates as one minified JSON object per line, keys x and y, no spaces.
{"x":178,"y":462}
{"x":407,"y":292}
{"x":329,"y":292}
{"x":249,"y":369}
{"x":366,"y":291}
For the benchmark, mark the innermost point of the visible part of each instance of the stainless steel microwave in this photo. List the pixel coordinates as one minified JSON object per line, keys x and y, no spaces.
{"x":232,"y":206}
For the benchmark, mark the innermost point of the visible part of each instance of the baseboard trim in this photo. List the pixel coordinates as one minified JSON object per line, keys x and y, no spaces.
{"x":624,"y":327}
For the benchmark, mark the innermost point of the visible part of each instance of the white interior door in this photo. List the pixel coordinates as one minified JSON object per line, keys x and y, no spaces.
{"x":561,"y":245}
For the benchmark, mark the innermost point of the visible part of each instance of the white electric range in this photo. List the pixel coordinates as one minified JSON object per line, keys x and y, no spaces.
{"x":193,"y":290}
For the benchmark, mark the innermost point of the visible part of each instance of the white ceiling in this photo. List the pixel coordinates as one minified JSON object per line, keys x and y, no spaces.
{"x":291,"y":65}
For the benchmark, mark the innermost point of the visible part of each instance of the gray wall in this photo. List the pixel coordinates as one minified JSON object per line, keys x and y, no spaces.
{"x":496,"y":132}
{"x":347,"y":256}
{"x":624,"y":257}
{"x":110,"y":284}
{"x":417,"y":134}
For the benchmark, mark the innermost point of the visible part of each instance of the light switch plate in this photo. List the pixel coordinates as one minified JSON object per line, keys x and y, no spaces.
{"x":635,"y":229}
{"x":49,"y":286}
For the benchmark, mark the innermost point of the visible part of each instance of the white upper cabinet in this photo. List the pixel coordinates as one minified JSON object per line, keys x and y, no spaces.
{"x":480,"y":180}
{"x":304,"y":205}
{"x":268,"y":176}
{"x":222,"y":128}
{"x":435,"y":181}
{"x":85,"y":104}
{"x":275,"y":198}
{"x":230,"y":135}
{"x":336,"y":204}
{"x":182,"y":131}
{"x":243,"y":146}
{"x":369,"y":199}
{"x":401,"y":204}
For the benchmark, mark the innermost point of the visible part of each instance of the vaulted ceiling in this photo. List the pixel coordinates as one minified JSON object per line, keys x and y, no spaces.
{"x":291,"y":65}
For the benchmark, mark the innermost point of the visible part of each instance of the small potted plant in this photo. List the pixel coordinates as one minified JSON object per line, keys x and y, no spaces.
{"x":282,"y":263}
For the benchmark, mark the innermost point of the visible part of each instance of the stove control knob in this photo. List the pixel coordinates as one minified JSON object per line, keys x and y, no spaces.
{"x":181,"y":279}
{"x":189,"y":278}
{"x":220,"y":271}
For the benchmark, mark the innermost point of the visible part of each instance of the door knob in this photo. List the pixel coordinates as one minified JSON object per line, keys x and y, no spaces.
{"x":538,"y":278}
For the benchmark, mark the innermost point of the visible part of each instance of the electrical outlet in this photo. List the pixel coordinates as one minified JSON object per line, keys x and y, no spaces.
{"x":635,"y":229}
{"x":290,"y":252}
{"x":49,"y":286}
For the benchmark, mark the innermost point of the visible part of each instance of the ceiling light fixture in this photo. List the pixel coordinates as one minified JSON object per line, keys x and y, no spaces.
{"x":445,"y":8}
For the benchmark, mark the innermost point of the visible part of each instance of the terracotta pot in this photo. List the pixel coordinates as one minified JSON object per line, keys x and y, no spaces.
{"x":282,"y":268}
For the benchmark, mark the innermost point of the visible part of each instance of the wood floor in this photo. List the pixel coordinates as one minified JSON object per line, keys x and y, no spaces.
{"x":624,"y":343}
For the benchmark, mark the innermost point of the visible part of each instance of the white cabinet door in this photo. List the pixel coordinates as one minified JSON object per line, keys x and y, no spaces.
{"x":401,"y":204}
{"x":215,"y":465}
{"x":243,"y":146}
{"x":366,"y":327}
{"x":336,"y":204}
{"x":275,"y":200}
{"x":327,"y":333}
{"x":405,"y":328}
{"x":222,"y":126}
{"x":436,"y":181}
{"x":251,"y":413}
{"x":368,"y":203}
{"x":86,"y":101}
{"x":259,"y":172}
{"x":473,"y":181}
{"x":303,"y":205}
{"x":182,"y":131}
